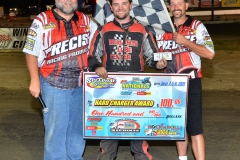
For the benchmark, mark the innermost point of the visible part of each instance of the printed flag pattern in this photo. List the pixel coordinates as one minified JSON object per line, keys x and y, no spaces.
{"x":151,"y":13}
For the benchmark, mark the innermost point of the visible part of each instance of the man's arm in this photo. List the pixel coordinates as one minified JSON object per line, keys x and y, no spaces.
{"x":95,"y":54}
{"x":200,"y":50}
{"x":203,"y":47}
{"x":32,"y":65}
{"x":150,"y":48}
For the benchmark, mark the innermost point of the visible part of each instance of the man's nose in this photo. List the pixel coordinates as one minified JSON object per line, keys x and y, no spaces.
{"x":120,"y":6}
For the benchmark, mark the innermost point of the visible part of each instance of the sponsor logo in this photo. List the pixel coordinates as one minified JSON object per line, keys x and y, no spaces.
{"x":207,"y":38}
{"x":29,"y":44}
{"x":125,"y":92}
{"x":171,"y":45}
{"x":123,"y":103}
{"x":209,"y":44}
{"x":125,"y":126}
{"x":49,"y":26}
{"x":205,"y":33}
{"x":5,"y":37}
{"x":229,"y":2}
{"x":69,"y":45}
{"x":35,"y":26}
{"x":94,"y":123}
{"x":96,"y":82}
{"x":94,"y":119}
{"x":144,"y":93}
{"x":67,"y":49}
{"x":32,"y":33}
{"x":5,"y":40}
{"x":138,"y":85}
{"x":162,"y":130}
{"x":94,"y":128}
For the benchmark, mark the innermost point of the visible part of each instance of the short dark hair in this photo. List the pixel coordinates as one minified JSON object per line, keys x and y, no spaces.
{"x":186,"y":1}
{"x":130,"y":1}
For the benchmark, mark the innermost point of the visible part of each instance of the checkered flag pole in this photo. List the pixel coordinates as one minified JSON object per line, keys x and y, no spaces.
{"x":151,"y":13}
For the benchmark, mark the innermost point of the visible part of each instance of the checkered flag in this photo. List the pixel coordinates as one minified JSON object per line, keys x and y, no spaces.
{"x":151,"y":13}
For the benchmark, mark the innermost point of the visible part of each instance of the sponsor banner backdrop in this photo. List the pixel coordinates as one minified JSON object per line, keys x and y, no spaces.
{"x":135,"y":106}
{"x":230,"y":3}
{"x":1,"y":11}
{"x":13,"y":38}
{"x":193,"y":3}
{"x":208,"y":3}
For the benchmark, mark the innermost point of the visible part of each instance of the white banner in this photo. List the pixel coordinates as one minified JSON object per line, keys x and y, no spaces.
{"x":13,"y":38}
{"x":135,"y":106}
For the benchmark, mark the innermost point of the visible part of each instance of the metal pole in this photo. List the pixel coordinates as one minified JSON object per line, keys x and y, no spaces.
{"x":212,"y":10}
{"x":39,"y":6}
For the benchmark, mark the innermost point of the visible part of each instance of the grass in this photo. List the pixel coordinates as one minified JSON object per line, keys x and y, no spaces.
{"x":227,"y":45}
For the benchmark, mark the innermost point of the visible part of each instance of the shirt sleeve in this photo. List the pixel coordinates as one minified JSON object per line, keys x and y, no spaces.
{"x":203,"y":38}
{"x":96,"y":51}
{"x":149,"y":48}
{"x":33,"y":43}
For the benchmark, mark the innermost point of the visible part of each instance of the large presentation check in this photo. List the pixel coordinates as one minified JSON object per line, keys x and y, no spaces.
{"x":149,"y":106}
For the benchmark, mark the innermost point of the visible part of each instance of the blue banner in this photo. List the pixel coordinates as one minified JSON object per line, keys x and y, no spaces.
{"x":135,"y":106}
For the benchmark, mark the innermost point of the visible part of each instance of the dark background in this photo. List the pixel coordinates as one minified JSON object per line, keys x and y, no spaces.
{"x":23,"y":4}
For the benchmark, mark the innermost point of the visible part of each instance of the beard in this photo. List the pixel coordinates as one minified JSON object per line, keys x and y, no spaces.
{"x":121,"y":17}
{"x":178,"y":15}
{"x":65,"y":10}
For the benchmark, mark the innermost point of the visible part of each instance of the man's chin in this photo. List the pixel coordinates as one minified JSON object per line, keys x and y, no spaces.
{"x":121,"y":17}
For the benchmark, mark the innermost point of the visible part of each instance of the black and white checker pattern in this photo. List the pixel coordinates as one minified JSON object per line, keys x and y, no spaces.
{"x":115,"y":50}
{"x":151,"y":13}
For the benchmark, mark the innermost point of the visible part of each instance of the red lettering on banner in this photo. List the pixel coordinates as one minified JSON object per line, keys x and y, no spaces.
{"x":5,"y":37}
{"x":96,"y":113}
{"x":155,"y":113}
{"x":166,"y":103}
{"x":112,"y":113}
{"x":138,"y":114}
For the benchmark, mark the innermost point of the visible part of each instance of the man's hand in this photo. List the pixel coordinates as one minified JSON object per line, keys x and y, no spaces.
{"x":34,"y":88}
{"x":101,"y":72}
{"x":161,"y":64}
{"x":179,"y":38}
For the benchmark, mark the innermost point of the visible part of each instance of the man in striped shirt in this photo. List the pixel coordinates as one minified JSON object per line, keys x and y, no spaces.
{"x":57,"y":44}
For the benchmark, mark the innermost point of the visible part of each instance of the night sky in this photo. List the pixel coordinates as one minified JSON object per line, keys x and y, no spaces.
{"x":23,"y":4}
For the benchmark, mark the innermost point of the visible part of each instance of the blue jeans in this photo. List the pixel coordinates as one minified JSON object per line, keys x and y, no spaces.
{"x":63,"y":123}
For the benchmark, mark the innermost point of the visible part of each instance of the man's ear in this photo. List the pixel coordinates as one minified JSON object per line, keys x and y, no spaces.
{"x":111,"y":7}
